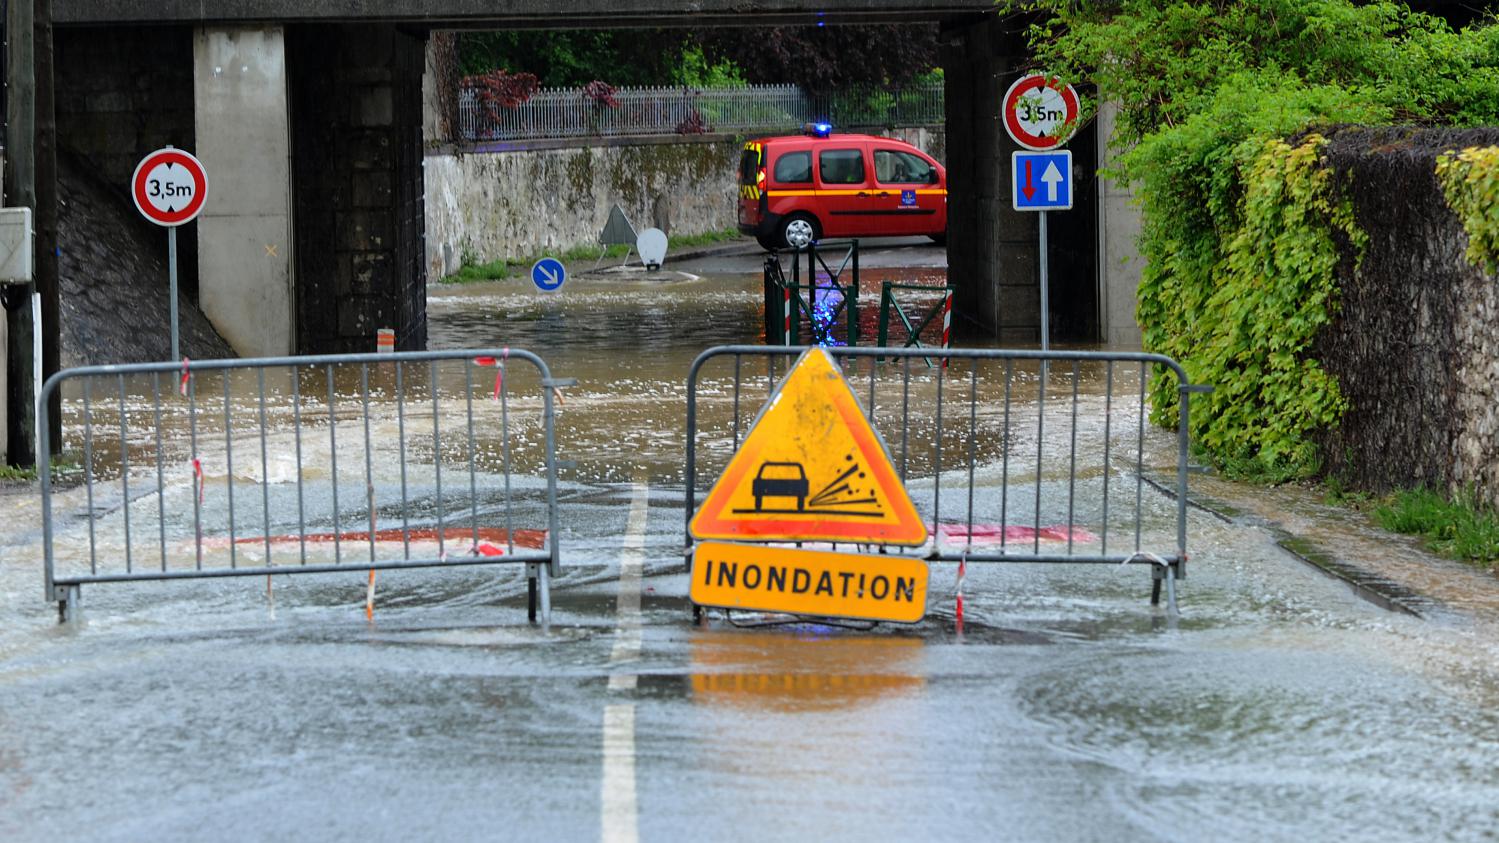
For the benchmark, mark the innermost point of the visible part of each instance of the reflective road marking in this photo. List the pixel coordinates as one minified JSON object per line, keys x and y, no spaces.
{"x":620,"y":820}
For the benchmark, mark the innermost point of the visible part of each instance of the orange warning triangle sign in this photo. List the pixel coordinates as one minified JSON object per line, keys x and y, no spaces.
{"x":811,"y":468}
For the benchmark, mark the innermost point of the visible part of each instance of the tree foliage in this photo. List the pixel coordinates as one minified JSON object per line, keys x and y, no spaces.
{"x":818,"y":58}
{"x":1470,"y":182}
{"x":1240,"y":230}
{"x":573,"y":58}
{"x":827,"y":58}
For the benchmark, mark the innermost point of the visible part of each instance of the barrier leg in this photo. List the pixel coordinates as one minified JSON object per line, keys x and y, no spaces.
{"x":946,"y":324}
{"x":786,"y":309}
{"x":544,"y":585}
{"x":1171,"y":590}
{"x":883,"y":332}
{"x":531,"y":575}
{"x":68,"y":607}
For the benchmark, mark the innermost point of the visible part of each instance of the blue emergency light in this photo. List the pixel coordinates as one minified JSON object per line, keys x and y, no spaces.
{"x":820,"y":130}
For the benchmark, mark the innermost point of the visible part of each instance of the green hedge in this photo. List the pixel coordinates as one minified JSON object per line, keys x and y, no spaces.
{"x":1243,"y":228}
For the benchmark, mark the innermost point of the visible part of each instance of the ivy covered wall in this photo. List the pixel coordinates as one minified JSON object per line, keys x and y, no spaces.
{"x":1413,"y":339}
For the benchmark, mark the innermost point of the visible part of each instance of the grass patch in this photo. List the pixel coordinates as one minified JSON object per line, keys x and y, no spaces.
{"x":1338,"y":494}
{"x":12,"y":473}
{"x":506,"y":268}
{"x":64,"y":467}
{"x":1460,"y":528}
{"x":492,"y":271}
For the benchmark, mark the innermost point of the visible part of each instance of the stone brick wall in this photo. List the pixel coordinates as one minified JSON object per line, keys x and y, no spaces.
{"x":992,"y":250}
{"x":488,"y":206}
{"x":1415,"y":342}
{"x":357,"y":181}
{"x":121,"y":93}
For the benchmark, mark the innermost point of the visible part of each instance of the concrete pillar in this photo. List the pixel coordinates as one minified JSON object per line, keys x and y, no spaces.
{"x":991,"y":249}
{"x":1118,"y":260}
{"x":244,"y":234}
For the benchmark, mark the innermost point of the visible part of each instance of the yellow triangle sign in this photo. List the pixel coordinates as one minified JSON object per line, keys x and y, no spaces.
{"x":811,"y":468}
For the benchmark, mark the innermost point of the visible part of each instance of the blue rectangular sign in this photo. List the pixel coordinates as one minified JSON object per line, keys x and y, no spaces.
{"x":1041,"y":181}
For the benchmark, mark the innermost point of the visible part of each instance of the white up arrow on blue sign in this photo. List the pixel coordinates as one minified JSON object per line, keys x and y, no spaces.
{"x":548,"y":274}
{"x":1041,"y":181}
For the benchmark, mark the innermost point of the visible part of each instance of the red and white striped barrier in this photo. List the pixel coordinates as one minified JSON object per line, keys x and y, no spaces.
{"x":946,"y":324}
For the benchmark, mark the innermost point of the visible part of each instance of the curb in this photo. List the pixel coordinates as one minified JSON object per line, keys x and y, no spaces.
{"x":1371,"y":587}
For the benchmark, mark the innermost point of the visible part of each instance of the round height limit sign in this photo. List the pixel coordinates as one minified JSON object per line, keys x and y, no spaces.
{"x":169,"y":188}
{"x":1040,"y":112}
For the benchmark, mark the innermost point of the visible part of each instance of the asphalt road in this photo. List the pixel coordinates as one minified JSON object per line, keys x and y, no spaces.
{"x":1280,"y":706}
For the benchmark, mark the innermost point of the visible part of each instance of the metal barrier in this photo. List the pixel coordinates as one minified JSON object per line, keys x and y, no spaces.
{"x":1043,"y":458}
{"x":347,"y":462}
{"x":826,"y":301}
{"x":568,"y":112}
{"x":889,"y":303}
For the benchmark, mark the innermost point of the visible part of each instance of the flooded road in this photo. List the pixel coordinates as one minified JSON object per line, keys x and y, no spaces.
{"x":1280,"y":706}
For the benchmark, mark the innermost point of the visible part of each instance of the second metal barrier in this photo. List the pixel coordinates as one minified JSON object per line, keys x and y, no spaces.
{"x":337,"y":463}
{"x":1009,"y":456}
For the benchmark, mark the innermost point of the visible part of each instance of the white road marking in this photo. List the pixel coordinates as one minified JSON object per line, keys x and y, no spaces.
{"x":620,"y":821}
{"x":631,"y":563}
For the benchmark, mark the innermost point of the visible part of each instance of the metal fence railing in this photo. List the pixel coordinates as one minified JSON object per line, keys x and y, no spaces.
{"x":1009,"y":456}
{"x":290,"y":465}
{"x":568,"y":113}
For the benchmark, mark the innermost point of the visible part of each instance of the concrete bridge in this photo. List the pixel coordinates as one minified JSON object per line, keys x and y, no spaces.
{"x":307,"y":114}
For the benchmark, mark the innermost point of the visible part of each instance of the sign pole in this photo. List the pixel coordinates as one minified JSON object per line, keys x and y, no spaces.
{"x":1045,"y":291}
{"x":172,"y":284}
{"x":169,"y":188}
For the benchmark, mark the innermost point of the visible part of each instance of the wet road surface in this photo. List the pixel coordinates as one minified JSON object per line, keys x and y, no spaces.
{"x":1279,"y":707}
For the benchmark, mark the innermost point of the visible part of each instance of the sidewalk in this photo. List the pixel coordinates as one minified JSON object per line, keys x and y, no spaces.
{"x":1389,"y":569}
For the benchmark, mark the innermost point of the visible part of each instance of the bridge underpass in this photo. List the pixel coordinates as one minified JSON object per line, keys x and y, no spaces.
{"x":308,"y":117}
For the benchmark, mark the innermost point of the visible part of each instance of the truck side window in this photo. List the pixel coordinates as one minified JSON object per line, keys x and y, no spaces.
{"x":841,"y":166}
{"x":892,"y":166}
{"x":794,"y":168}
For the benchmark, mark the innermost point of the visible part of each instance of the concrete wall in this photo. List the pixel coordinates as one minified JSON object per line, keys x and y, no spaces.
{"x":244,"y":234}
{"x":487,"y":206}
{"x":1119,"y":261}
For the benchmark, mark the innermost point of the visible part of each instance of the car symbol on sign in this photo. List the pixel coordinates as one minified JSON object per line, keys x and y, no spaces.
{"x":780,"y":480}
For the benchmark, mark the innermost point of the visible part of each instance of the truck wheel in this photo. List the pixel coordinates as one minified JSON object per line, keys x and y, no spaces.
{"x":797,"y":231}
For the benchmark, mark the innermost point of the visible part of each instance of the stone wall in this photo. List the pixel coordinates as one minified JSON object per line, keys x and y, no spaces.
{"x":486,"y":206}
{"x":357,"y":181}
{"x":1415,"y":342}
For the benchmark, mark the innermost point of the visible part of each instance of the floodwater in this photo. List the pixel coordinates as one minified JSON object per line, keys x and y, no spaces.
{"x":1279,"y":706}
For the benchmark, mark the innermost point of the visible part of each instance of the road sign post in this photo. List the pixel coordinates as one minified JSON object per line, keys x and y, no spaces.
{"x":1040,"y":113}
{"x":169,"y":188}
{"x":1042,"y":181}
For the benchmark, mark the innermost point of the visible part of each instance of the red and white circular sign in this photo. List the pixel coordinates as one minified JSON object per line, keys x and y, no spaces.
{"x":169,"y":186}
{"x":1040,"y":111}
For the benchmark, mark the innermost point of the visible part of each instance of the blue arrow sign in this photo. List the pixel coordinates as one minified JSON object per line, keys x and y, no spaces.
{"x":1041,"y":181}
{"x":548,"y":274}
